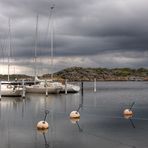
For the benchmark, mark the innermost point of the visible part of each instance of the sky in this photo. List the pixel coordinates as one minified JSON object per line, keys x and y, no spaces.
{"x":86,"y":33}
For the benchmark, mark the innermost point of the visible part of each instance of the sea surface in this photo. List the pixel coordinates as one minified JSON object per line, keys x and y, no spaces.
{"x":101,"y":124}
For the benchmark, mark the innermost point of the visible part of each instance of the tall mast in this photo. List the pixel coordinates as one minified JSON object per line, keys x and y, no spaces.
{"x":51,"y":39}
{"x":9,"y":23}
{"x":35,"y":50}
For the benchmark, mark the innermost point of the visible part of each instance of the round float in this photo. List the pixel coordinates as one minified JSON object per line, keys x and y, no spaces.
{"x":42,"y":125}
{"x":127,"y":112}
{"x":74,"y":114}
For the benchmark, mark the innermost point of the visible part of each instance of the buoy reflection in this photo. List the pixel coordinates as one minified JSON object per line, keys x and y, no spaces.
{"x":129,"y":117}
{"x":43,"y":132}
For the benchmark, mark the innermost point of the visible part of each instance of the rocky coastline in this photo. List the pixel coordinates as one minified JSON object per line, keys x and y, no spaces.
{"x":89,"y":74}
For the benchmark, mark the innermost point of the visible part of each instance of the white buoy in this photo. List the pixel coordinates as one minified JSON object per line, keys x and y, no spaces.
{"x":74,"y":114}
{"x":127,"y":112}
{"x":42,"y":125}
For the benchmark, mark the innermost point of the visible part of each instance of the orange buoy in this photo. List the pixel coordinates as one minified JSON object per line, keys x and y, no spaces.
{"x":42,"y":125}
{"x":74,"y":114}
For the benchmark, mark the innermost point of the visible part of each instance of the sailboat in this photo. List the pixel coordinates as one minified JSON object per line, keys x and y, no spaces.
{"x":42,"y":87}
{"x":6,"y":88}
{"x":9,"y":90}
{"x":70,"y":88}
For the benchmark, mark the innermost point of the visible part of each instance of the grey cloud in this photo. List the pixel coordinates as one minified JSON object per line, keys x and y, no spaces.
{"x":82,"y":28}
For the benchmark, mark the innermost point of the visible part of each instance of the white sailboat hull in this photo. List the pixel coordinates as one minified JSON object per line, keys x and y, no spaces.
{"x":10,"y":91}
{"x":57,"y":85}
{"x":42,"y":89}
{"x":70,"y":87}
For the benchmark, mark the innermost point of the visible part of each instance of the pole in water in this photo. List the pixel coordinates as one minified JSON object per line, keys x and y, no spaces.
{"x":46,"y":113}
{"x":66,"y":86}
{"x":46,"y":87}
{"x":82,"y":87}
{"x":80,"y":129}
{"x":95,"y":85}
{"x":0,"y":91}
{"x":131,"y":105}
{"x":82,"y":99}
{"x":23,"y":93}
{"x":80,"y":105}
{"x":46,"y":144}
{"x":132,"y":123}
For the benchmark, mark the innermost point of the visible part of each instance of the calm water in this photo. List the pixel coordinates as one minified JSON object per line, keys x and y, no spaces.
{"x":101,"y":124}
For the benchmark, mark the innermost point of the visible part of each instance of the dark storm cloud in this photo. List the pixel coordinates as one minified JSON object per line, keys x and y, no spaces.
{"x":83,"y":29}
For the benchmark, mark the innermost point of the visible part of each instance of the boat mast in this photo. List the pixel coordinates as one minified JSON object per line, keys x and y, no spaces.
{"x":51,"y":39}
{"x":9,"y":50}
{"x":35,"y":49}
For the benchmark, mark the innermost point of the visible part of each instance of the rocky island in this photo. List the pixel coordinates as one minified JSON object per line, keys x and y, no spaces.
{"x":101,"y":74}
{"x":89,"y":74}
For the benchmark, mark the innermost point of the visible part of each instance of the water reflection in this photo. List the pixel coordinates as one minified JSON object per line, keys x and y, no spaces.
{"x":80,"y":129}
{"x":132,"y":123}
{"x":44,"y":132}
{"x":129,"y":117}
{"x":101,"y":123}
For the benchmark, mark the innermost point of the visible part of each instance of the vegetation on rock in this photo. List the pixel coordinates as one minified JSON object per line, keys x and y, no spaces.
{"x":89,"y":74}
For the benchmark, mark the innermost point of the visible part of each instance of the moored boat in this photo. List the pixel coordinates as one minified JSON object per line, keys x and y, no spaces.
{"x":8,"y":90}
{"x":42,"y":88}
